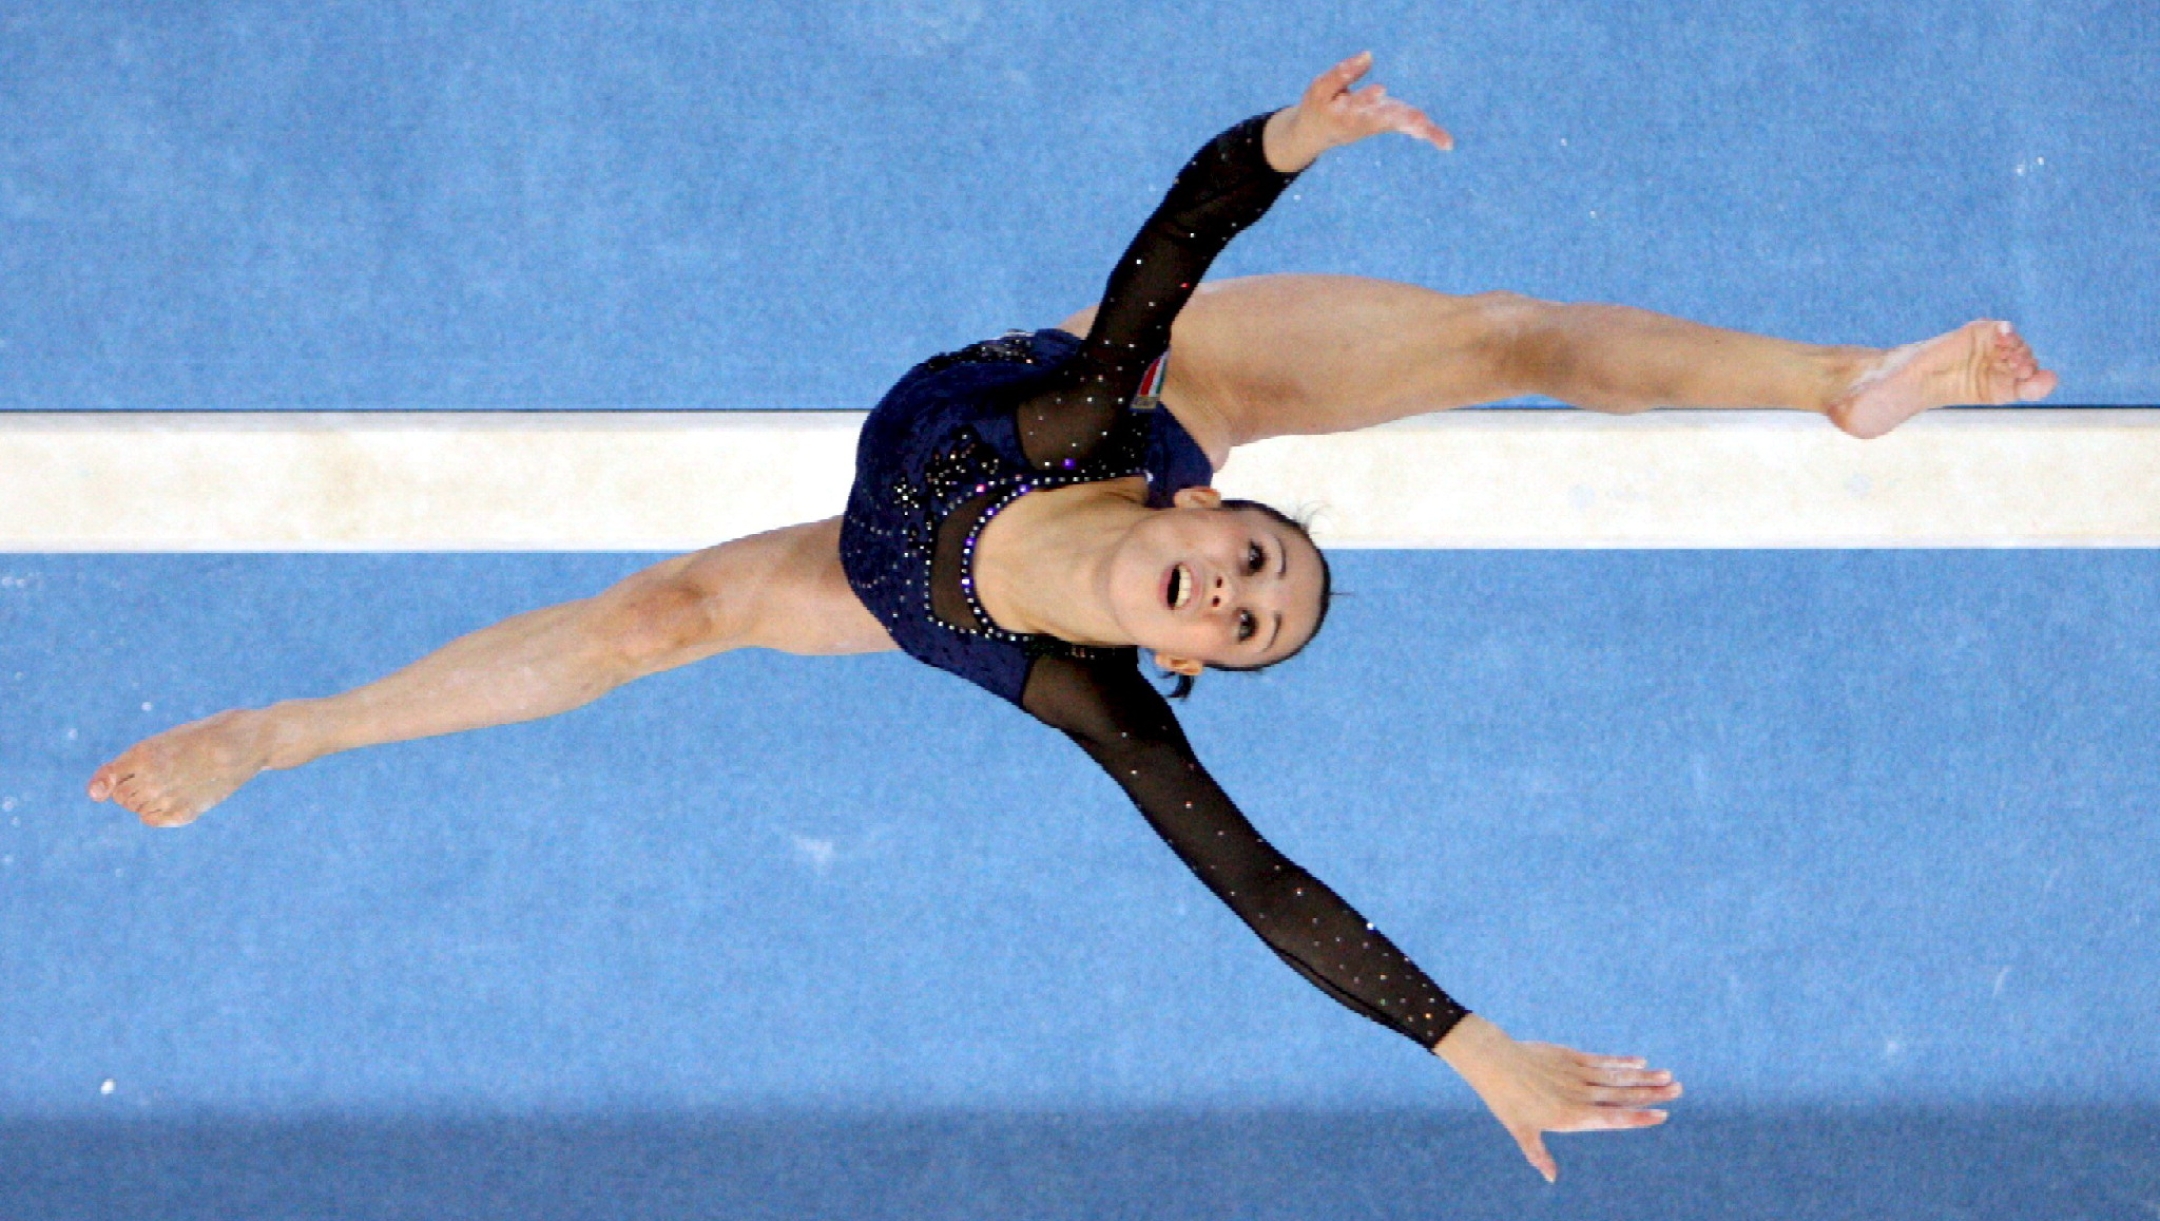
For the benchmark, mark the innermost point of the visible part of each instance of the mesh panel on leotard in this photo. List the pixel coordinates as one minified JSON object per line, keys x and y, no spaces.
{"x":1226,"y":187}
{"x":942,"y":452}
{"x":1126,"y":726}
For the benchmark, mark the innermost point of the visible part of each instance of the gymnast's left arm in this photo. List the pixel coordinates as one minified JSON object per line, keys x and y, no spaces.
{"x":1224,"y":189}
{"x":1332,"y":114}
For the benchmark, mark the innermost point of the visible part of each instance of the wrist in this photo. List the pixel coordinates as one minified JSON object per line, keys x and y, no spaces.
{"x":1472,"y":1042}
{"x":1285,"y":145}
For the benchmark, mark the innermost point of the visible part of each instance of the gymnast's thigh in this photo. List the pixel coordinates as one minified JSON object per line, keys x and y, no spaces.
{"x":783,"y":589}
{"x":1265,"y":356}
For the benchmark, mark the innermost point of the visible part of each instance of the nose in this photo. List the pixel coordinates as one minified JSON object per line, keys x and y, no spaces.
{"x":1219,"y":592}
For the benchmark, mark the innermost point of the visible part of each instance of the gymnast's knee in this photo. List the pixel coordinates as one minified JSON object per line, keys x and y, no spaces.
{"x":1514,"y":333}
{"x":1540,"y":346}
{"x":654,"y":622}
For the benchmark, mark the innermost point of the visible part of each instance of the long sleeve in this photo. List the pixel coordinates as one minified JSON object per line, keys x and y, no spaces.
{"x":1226,"y":187}
{"x":1128,"y":728}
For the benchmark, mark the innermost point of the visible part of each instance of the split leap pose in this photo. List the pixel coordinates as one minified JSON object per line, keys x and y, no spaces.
{"x":1025,"y":515}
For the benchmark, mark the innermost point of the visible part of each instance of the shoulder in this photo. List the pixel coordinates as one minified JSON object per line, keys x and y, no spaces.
{"x":1185,"y":391}
{"x":1101,"y":698}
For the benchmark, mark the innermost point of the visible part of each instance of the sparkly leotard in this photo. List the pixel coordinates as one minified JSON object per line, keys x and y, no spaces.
{"x":967,"y":433}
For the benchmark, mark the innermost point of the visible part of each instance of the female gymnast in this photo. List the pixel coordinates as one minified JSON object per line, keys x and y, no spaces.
{"x":1032,"y":511}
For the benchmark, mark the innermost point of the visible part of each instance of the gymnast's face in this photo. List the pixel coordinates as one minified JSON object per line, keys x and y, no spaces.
{"x":1203,"y":585}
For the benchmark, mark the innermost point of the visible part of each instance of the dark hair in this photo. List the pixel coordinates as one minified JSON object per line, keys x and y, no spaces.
{"x":1184,"y":686}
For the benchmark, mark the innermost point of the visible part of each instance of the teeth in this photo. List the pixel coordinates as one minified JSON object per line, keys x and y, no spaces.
{"x":1180,"y":588}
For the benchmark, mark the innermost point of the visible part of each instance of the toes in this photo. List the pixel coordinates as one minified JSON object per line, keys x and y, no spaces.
{"x":135,"y":795}
{"x":168,"y":816}
{"x":2011,"y":359}
{"x":106,"y":779}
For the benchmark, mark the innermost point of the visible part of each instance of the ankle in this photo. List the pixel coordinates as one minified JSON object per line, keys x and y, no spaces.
{"x":1842,"y":368}
{"x":289,"y":737}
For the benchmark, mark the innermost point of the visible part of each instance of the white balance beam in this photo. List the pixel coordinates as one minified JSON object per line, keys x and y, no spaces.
{"x":667,"y":481}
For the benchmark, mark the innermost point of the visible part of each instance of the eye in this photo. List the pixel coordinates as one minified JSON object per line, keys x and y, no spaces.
{"x":1246,"y":626}
{"x":1254,"y":557}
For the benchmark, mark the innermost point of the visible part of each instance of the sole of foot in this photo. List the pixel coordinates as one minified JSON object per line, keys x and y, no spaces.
{"x":1985,"y":363}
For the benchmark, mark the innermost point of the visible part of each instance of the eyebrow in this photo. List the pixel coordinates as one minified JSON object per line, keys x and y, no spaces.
{"x":1282,"y":566}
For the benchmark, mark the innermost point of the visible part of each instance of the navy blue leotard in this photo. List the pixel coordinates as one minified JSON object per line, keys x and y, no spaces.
{"x":965,"y":434}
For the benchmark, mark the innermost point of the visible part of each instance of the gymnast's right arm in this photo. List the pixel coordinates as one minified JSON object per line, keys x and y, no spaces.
{"x":1125,"y":726}
{"x":1531,"y":1088}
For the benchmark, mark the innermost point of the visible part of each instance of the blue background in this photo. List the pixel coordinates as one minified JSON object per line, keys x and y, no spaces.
{"x":458,"y":204}
{"x":1861,"y":844}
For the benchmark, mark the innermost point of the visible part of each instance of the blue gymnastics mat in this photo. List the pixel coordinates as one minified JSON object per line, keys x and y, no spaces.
{"x":1860,"y":843}
{"x":226,"y":205}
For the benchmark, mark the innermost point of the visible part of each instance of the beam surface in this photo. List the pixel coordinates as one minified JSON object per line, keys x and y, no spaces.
{"x":663,"y":481}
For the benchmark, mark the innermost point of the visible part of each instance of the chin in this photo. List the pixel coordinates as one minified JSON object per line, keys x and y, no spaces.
{"x":1135,"y":601}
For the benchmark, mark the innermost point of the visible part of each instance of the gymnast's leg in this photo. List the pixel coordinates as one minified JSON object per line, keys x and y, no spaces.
{"x":780,"y":590}
{"x":1272,"y":355}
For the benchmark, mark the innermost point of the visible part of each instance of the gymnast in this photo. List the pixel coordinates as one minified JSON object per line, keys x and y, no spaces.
{"x":1033,"y":512}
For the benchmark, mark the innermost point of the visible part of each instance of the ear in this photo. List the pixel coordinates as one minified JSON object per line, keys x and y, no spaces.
{"x":1197,"y":498}
{"x":1179,"y":665}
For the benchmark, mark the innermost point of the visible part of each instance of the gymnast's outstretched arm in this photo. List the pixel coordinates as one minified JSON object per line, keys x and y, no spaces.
{"x":1114,"y":715}
{"x":1226,"y":187}
{"x":780,"y":590}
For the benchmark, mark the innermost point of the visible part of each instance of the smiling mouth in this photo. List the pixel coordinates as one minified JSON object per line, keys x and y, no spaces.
{"x":1179,"y":591}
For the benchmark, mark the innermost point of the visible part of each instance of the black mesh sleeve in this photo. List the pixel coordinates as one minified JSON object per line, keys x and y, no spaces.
{"x":1128,"y":728}
{"x":1225,"y":188}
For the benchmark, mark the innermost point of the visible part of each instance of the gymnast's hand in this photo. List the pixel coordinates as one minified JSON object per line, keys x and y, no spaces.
{"x":1535,"y":1088}
{"x":1330,"y":115}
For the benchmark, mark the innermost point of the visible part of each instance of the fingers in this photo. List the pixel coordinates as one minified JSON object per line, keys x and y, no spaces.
{"x":1410,"y":121}
{"x":1532,"y":1143}
{"x":1587,"y":1060}
{"x":1625,"y":1076}
{"x":1369,"y":110}
{"x":1340,"y":77}
{"x":1632,"y":1096}
{"x":1628,"y":1076}
{"x":1608,"y":1119}
{"x":1585,"y":1116}
{"x":1615,"y":1092}
{"x":1336,"y":81}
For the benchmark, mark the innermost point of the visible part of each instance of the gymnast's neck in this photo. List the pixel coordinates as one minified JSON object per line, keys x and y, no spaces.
{"x":1043,"y":565}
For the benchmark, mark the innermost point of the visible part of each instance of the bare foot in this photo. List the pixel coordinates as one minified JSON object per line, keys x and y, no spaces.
{"x":1982,"y":363}
{"x":170,"y":779}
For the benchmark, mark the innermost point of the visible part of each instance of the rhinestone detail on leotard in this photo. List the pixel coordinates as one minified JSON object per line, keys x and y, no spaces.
{"x":965,"y":435}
